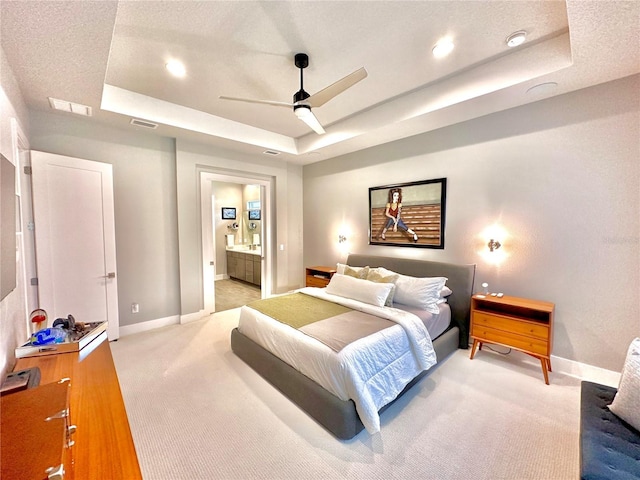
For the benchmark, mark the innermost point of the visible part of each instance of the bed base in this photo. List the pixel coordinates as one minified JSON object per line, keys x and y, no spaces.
{"x":337,"y":416}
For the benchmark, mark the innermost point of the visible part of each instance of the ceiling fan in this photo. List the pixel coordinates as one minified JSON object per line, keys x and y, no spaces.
{"x":303,"y":102}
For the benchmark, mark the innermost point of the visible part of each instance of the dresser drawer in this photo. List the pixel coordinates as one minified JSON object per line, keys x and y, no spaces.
{"x":520,"y":342}
{"x":40,"y":439}
{"x":511,"y":325}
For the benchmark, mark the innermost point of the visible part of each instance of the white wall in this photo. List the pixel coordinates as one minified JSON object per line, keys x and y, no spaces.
{"x":13,"y":325}
{"x":562,"y":176}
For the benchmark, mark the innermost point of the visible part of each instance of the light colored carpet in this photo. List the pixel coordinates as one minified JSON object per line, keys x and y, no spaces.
{"x":198,"y":412}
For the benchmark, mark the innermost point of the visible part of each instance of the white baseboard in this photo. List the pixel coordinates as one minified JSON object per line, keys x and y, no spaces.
{"x":192,"y":317}
{"x":148,"y":325}
{"x":585,"y":372}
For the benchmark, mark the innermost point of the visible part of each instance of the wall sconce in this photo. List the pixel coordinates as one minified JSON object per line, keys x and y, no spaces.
{"x":342,"y":239}
{"x":493,"y":245}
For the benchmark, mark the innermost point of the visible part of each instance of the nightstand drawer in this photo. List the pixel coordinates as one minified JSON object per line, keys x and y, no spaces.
{"x":316,"y":281}
{"x":318,"y":276}
{"x":511,"y":325}
{"x":528,"y":344}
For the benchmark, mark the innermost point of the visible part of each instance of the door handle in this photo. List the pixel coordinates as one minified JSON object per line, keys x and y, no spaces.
{"x":110,"y":275}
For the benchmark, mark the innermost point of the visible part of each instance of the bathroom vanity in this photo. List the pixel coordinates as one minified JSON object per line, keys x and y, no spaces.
{"x":245,"y":264}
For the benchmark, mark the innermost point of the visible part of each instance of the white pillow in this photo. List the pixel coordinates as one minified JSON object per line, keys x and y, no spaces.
{"x":419,"y":292}
{"x":357,"y":289}
{"x":444,"y":292}
{"x":626,"y":403}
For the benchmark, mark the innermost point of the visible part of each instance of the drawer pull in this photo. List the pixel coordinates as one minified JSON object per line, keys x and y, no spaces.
{"x":61,"y":414}
{"x":55,"y":473}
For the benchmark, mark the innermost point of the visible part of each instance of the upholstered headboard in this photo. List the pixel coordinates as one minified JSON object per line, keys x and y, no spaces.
{"x":460,"y":281}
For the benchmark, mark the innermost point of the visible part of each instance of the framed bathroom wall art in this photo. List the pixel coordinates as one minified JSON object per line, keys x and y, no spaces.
{"x":408,"y":214}
{"x":228,"y":213}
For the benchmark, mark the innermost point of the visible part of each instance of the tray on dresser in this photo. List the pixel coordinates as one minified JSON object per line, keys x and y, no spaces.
{"x":74,"y":342}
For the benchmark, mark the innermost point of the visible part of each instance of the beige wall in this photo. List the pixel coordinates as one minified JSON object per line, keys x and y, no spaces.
{"x":225,"y":195}
{"x":562,"y":176}
{"x":286,"y":215}
{"x":145,"y":211}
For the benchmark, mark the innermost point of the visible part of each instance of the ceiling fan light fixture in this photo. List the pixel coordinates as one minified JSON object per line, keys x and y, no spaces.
{"x":516,"y":38}
{"x":443,"y":48}
{"x":304,"y":113}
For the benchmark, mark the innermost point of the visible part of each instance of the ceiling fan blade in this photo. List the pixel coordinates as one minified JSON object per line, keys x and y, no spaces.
{"x":323,"y":96}
{"x":264,"y":102}
{"x":306,"y":115}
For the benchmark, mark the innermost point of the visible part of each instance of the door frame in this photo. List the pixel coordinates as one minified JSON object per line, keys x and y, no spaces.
{"x":26,"y":242}
{"x":208,"y":175}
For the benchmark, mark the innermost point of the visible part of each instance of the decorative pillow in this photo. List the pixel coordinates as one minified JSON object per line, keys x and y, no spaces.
{"x":357,"y":272}
{"x":419,"y":292}
{"x":340,"y":267}
{"x":626,"y":403}
{"x":375,"y":276}
{"x":358,"y":289}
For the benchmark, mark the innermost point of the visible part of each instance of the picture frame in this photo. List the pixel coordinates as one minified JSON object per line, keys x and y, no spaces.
{"x":420,"y":211}
{"x":228,"y":213}
{"x":254,"y":214}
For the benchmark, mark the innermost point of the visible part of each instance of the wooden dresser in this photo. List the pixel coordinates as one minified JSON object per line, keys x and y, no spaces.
{"x":319,"y":276}
{"x":519,"y":323}
{"x":103,"y":447}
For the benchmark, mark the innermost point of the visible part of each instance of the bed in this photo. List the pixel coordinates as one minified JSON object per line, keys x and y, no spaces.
{"x":340,"y":417}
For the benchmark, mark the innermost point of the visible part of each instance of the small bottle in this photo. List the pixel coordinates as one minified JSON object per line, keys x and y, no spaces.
{"x":485,"y":285}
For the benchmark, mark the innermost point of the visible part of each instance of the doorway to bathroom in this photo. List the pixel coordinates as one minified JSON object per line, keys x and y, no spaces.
{"x":236,"y":250}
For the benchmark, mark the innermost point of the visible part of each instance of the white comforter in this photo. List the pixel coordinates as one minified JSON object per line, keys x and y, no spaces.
{"x":371,"y":371}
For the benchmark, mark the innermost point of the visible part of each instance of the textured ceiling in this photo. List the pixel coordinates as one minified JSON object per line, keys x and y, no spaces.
{"x":111,"y":56}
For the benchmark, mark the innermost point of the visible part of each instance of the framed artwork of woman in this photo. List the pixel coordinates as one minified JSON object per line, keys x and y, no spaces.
{"x":408,"y":214}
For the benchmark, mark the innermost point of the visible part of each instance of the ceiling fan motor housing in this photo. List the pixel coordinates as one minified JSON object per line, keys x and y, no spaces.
{"x":301,"y":60}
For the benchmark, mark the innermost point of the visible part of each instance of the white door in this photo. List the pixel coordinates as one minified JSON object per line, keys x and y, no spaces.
{"x":75,"y":239}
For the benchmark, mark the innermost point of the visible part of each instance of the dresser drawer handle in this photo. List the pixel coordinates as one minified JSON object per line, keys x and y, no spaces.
{"x":55,"y":473}
{"x":61,"y":414}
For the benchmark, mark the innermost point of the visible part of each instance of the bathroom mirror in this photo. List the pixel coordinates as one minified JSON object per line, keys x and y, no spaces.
{"x":251,"y":228}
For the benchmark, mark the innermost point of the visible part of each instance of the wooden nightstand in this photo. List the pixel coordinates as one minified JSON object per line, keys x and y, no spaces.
{"x":319,"y":276}
{"x":518,"y":323}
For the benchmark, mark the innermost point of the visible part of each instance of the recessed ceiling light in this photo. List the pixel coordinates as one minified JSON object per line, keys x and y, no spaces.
{"x":442,"y":48}
{"x":516,"y":38}
{"x":543,"y":89}
{"x":176,"y":68}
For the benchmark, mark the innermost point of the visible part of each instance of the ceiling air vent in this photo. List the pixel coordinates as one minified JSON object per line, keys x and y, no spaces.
{"x":70,"y":107}
{"x":271,"y":152}
{"x":143,"y":123}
